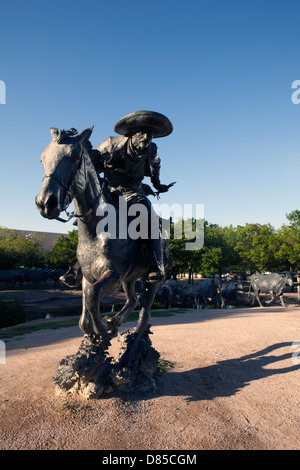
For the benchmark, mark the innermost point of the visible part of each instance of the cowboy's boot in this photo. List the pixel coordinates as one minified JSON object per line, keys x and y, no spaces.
{"x":156,"y":269}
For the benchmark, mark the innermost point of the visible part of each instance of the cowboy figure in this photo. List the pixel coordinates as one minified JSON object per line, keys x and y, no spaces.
{"x":124,"y":162}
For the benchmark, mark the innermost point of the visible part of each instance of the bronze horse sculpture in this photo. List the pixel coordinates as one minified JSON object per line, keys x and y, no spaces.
{"x":106,"y":263}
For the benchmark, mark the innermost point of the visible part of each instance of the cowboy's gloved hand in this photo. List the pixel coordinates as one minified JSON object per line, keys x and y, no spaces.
{"x":163,"y":188}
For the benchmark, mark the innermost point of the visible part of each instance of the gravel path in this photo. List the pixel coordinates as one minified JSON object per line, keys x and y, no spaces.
{"x":234,"y":385}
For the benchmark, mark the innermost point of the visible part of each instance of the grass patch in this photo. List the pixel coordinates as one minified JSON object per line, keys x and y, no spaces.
{"x":23,"y":329}
{"x":18,"y":330}
{"x":164,"y":366}
{"x":72,"y":407}
{"x":133,"y":316}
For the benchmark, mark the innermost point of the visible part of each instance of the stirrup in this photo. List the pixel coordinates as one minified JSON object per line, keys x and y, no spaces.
{"x":155,"y":275}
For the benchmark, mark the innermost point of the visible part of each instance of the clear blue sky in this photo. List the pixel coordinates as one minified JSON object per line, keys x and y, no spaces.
{"x":220,"y":70}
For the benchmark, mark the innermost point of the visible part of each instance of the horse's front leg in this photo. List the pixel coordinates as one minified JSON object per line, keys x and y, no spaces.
{"x":107,"y":284}
{"x":130,"y":304}
{"x":85,"y":321}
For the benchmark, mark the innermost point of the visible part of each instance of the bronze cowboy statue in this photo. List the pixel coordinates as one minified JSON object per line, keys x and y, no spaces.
{"x":125,"y":161}
{"x":106,"y":263}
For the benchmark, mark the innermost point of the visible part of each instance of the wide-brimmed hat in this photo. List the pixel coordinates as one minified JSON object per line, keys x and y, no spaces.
{"x":158,"y":123}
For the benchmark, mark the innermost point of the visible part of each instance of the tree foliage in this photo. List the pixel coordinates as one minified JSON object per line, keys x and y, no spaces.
{"x":249,"y":248}
{"x":63,"y":253}
{"x":20,"y":250}
{"x":256,"y":245}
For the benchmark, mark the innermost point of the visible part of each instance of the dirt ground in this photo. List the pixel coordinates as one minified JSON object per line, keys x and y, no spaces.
{"x":234,"y":385}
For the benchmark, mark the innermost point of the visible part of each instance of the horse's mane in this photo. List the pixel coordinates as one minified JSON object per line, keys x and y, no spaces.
{"x":65,"y":133}
{"x":93,"y":154}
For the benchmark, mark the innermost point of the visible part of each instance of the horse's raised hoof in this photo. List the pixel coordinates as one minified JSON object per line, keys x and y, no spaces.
{"x":71,"y":278}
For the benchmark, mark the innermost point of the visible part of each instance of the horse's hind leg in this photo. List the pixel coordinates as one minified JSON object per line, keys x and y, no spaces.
{"x":145,"y":312}
{"x":141,"y":328}
{"x":130,"y":304}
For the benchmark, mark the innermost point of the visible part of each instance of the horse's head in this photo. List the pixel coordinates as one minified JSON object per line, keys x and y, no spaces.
{"x":61,"y":159}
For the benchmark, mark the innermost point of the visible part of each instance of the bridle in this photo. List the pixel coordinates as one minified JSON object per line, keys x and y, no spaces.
{"x":68,"y":197}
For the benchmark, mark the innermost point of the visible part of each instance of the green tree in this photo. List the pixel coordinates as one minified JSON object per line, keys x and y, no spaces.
{"x":219,"y":254}
{"x":181,"y":233}
{"x":257,"y":246}
{"x":20,"y":250}
{"x":63,"y":253}
{"x":288,"y":241}
{"x":211,"y":260}
{"x":216,"y":256}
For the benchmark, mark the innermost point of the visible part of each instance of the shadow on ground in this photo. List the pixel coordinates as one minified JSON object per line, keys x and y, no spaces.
{"x":226,"y":378}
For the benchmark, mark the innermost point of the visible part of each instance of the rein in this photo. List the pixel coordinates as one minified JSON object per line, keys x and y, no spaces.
{"x":70,"y":215}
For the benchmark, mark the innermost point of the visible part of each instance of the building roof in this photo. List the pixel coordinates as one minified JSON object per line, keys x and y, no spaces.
{"x":49,"y":239}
